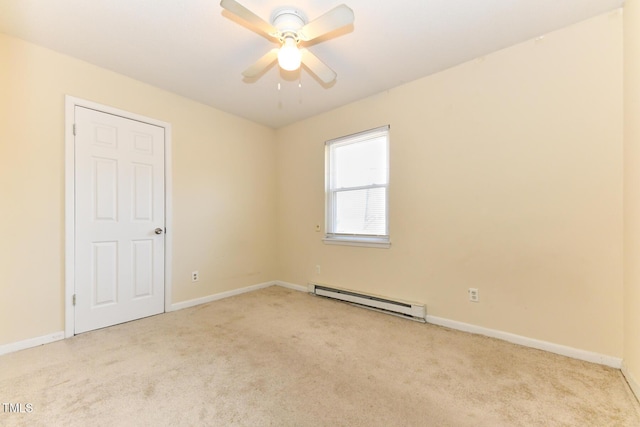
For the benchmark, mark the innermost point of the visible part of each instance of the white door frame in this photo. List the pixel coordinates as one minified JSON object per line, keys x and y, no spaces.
{"x":69,"y":205}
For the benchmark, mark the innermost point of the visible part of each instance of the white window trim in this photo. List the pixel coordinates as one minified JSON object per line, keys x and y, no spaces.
{"x":371,"y":241}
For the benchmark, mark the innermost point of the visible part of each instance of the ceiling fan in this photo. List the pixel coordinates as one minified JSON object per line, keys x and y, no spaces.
{"x":290,"y":27}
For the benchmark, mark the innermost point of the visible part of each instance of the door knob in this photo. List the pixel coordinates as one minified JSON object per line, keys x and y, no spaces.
{"x":158,"y":230}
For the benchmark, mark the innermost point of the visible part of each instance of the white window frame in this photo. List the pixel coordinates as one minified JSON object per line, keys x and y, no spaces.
{"x":331,"y":237}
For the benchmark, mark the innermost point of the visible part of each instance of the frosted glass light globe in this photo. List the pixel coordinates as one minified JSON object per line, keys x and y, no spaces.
{"x":289,"y":55}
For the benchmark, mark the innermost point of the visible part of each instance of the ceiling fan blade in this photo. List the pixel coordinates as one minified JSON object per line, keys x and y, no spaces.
{"x":261,"y":64}
{"x":251,"y":18}
{"x":336,"y":18}
{"x":317,"y":67}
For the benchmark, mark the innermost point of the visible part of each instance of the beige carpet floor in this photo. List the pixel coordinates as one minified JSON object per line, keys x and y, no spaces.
{"x":277,"y":357}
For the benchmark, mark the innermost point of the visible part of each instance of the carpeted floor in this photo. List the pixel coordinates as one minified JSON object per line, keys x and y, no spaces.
{"x":277,"y":357}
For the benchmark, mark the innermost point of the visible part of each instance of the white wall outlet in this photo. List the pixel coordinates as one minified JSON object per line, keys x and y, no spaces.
{"x":317,"y":269}
{"x":195,"y":276}
{"x":317,"y":228}
{"x":473,"y":295}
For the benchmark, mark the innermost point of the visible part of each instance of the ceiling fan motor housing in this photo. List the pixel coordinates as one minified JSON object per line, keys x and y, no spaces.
{"x":288,"y":21}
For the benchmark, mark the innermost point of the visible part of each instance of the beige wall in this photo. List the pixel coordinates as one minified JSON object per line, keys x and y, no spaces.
{"x":632,"y":192}
{"x":223,"y":186}
{"x":506,"y":175}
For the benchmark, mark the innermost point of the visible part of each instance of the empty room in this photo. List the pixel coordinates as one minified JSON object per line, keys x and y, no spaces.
{"x":319,"y":213}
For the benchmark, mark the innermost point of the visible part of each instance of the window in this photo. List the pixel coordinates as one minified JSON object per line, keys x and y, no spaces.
{"x":357,"y":180}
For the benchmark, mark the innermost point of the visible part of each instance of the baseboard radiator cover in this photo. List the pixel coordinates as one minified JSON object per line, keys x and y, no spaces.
{"x":404,"y":309}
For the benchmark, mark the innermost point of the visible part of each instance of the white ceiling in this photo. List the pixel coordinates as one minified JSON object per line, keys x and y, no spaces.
{"x":193,"y":48}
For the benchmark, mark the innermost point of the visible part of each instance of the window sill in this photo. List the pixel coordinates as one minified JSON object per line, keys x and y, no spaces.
{"x":368,"y":242}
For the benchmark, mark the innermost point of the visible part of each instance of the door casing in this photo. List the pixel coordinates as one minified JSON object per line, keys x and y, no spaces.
{"x":70,"y":104}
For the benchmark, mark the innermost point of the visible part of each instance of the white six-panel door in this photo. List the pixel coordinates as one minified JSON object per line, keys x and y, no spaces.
{"x":119,"y":219}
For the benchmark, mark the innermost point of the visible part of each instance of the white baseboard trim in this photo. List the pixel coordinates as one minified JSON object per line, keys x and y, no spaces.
{"x":221,"y":295}
{"x":587,"y":356}
{"x":234,"y":292}
{"x":631,"y":380}
{"x":31,"y":342}
{"x":291,"y":286}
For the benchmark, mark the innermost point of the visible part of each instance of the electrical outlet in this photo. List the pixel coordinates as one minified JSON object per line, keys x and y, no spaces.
{"x":317,"y":228}
{"x":473,"y":295}
{"x":195,"y":276}
{"x":317,"y":269}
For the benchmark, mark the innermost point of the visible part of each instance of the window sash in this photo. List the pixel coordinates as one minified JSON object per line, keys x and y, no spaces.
{"x":334,"y":206}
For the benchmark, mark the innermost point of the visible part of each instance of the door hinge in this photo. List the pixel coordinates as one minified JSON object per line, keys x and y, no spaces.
{"x":74,"y":129}
{"x":74,"y":299}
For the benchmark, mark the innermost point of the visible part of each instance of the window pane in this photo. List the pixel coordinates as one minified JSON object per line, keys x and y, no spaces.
{"x":361,"y":212}
{"x":361,"y":163}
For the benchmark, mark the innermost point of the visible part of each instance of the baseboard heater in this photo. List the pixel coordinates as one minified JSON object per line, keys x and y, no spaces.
{"x":409,"y":310}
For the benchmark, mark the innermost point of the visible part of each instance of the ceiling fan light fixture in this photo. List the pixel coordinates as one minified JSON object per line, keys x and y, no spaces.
{"x":289,"y":56}
{"x":290,"y":27}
